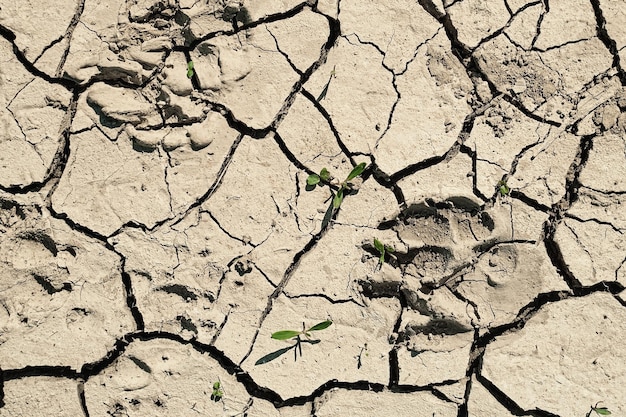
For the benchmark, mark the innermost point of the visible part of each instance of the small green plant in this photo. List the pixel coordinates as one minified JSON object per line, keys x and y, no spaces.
{"x":601,"y":411}
{"x":315,"y":179}
{"x":290,"y":334}
{"x":218,"y":392}
{"x":190,"y":71}
{"x":344,"y":187}
{"x":296,"y":336}
{"x":325,"y":89}
{"x":503,"y":188}
{"x":382,"y":250}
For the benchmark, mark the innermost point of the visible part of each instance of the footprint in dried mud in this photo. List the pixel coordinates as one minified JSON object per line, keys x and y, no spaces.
{"x":455,"y":269}
{"x":441,"y":240}
{"x":54,"y":285}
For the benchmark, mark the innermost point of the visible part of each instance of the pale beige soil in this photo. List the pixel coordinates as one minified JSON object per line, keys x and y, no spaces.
{"x":156,"y":226}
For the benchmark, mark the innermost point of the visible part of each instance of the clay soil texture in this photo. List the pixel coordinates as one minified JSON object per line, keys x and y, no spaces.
{"x":175,"y":187}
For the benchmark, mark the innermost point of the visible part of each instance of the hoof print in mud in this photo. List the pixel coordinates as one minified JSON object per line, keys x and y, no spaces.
{"x":438,"y":243}
{"x":440,"y":240}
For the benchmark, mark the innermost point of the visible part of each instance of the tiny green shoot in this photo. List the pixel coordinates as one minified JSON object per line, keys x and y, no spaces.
{"x":345,"y":187}
{"x":503,"y":188}
{"x":296,"y":336}
{"x":315,"y":179}
{"x":601,"y":411}
{"x":290,"y":334}
{"x":218,"y":392}
{"x":325,"y":89}
{"x":190,"y":70}
{"x":382,"y":250}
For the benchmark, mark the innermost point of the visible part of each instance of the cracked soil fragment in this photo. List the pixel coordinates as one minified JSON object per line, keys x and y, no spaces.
{"x":117,"y":187}
{"x":336,"y":356}
{"x":158,"y":225}
{"x":567,"y":350}
{"x":367,"y":403}
{"x":152,"y":377}
{"x":32,"y":114}
{"x":61,"y":294}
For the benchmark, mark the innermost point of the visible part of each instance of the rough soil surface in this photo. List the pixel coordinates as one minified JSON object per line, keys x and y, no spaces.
{"x":157,"y":227}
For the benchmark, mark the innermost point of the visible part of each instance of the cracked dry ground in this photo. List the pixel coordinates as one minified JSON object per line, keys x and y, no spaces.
{"x":156,"y":229}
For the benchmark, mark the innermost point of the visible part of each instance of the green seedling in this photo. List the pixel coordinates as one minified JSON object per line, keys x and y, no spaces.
{"x":190,"y":71}
{"x":296,"y":336}
{"x":325,"y":89}
{"x":382,"y":250}
{"x":503,"y":188}
{"x":315,"y":179}
{"x":601,"y":411}
{"x":218,"y":392}
{"x":345,"y":187}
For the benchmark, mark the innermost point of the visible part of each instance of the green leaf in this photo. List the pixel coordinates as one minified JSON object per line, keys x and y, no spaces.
{"x":356,"y":171}
{"x":285,"y":334}
{"x":189,"y":69}
{"x":324,"y":174}
{"x":324,"y":91}
{"x":503,"y":188}
{"x":389,"y":249}
{"x":380,"y":247}
{"x":313,"y":179}
{"x":217,"y":393}
{"x":338,"y":198}
{"x":320,"y":326}
{"x":271,"y":356}
{"x":327,"y":216}
{"x":603,"y":411}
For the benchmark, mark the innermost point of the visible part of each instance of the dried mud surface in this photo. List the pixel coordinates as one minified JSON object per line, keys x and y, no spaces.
{"x":156,"y":226}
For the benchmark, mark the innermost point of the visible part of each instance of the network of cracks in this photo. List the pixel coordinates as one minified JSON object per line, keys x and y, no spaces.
{"x":156,"y":226}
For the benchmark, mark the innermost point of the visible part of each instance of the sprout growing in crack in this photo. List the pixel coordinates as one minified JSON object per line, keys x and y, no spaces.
{"x":345,"y":187}
{"x":503,"y":188}
{"x":382,"y":250}
{"x":601,"y":411}
{"x":296,"y":336}
{"x":315,"y":179}
{"x":190,"y":70}
{"x":325,"y":89}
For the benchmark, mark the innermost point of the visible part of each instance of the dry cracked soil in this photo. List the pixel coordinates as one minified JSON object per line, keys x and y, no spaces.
{"x":159,"y":221}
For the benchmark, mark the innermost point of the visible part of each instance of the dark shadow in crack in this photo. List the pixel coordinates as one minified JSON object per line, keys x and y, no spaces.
{"x":137,"y":147}
{"x":236,"y":14}
{"x":41,"y":237}
{"x":180,"y":290}
{"x":104,"y":120}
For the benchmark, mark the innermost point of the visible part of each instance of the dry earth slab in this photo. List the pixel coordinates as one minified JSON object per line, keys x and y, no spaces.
{"x":157,"y":224}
